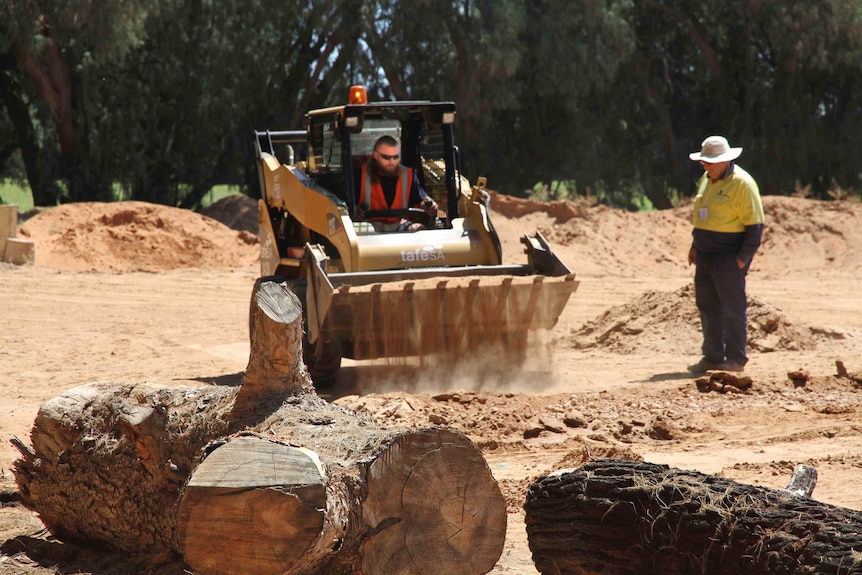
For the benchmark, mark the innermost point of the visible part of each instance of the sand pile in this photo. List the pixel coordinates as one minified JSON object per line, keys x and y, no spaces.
{"x":598,"y":240}
{"x":669,"y":321}
{"x":807,"y":235}
{"x":135,"y":236}
{"x":801,"y":235}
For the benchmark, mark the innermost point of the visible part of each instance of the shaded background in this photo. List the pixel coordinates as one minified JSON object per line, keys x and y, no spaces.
{"x":157,"y":101}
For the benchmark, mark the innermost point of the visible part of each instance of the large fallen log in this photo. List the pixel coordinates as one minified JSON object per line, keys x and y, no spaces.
{"x":619,"y":516}
{"x":264,"y":478}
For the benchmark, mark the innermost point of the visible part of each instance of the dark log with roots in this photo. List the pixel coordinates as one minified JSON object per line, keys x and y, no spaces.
{"x":264,"y":478}
{"x":619,"y":516}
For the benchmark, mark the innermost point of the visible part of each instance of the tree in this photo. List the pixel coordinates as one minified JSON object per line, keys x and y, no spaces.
{"x":20,"y":133}
{"x":779,"y":78}
{"x":57,"y":44}
{"x":208,"y":74}
{"x":611,"y":94}
{"x":560,"y":126}
{"x":463,"y":51}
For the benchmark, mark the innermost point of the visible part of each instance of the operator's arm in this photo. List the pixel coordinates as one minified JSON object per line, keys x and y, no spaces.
{"x":419,"y":198}
{"x":417,"y":192}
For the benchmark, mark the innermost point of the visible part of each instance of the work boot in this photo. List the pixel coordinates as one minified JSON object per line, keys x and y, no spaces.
{"x":729,"y":366}
{"x":702,"y":366}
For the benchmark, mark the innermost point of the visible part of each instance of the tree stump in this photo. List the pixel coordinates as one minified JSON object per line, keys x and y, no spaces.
{"x":619,"y":516}
{"x":258,"y":479}
{"x":275,"y":357}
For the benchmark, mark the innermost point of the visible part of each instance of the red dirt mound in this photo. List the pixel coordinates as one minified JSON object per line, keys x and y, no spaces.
{"x":135,"y":236}
{"x":656,"y":319}
{"x":800,"y":235}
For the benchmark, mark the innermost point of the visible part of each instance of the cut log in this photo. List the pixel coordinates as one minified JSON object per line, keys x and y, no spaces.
{"x":314,"y":489}
{"x":263,"y":479}
{"x":244,"y":498}
{"x":8,"y":225}
{"x":275,"y":358}
{"x":619,"y":516}
{"x":423,"y":502}
{"x":19,"y":251}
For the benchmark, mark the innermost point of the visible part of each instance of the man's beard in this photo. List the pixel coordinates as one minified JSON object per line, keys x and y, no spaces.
{"x":389,"y":170}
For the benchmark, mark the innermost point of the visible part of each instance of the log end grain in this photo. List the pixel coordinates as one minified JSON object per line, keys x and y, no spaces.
{"x":433,"y":507}
{"x":252,"y":506}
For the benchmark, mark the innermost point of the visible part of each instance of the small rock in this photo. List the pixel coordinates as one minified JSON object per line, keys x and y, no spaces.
{"x":553,"y":424}
{"x":663,"y":430}
{"x":842,"y":371}
{"x":438,"y":419}
{"x":799,"y":377}
{"x":575,"y":419}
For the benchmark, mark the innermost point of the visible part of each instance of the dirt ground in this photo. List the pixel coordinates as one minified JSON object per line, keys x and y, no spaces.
{"x":134,"y":292}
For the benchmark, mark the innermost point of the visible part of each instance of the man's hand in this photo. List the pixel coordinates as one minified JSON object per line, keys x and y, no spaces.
{"x":430,"y":207}
{"x":692,"y":256}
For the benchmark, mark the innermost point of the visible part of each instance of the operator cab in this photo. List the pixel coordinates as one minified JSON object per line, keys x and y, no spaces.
{"x":341,"y":139}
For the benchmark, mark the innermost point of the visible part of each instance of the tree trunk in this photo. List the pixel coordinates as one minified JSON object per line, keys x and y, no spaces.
{"x":52,"y":79}
{"x":275,"y":359}
{"x":260,"y":480}
{"x":45,"y":191}
{"x":617,"y":516}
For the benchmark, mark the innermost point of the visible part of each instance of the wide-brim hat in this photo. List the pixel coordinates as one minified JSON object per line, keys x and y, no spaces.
{"x":715,"y":149}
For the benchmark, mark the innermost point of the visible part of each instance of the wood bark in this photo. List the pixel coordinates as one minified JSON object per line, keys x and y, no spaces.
{"x":619,"y":516}
{"x":50,"y":74}
{"x":275,"y":358}
{"x":259,"y":480}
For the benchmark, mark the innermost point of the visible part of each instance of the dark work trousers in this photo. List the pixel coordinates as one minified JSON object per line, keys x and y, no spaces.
{"x":719,"y":287}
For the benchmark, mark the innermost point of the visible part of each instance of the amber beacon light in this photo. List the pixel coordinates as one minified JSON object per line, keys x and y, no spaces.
{"x":358,"y":95}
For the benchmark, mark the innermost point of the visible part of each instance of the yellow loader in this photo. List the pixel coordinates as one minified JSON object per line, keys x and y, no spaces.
{"x":368,"y":294}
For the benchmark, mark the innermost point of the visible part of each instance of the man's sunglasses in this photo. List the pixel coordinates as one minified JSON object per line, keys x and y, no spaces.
{"x":389,"y":157}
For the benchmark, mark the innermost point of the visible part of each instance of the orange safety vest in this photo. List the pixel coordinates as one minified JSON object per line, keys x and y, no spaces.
{"x":371,"y":196}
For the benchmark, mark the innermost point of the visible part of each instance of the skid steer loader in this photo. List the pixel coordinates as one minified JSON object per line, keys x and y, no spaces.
{"x":369,"y":294}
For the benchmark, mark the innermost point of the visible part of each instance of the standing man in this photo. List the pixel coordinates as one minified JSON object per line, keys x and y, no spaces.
{"x":728,"y":225}
{"x":384,"y":184}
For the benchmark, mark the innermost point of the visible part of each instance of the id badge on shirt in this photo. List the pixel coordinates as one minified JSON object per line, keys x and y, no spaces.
{"x":702,"y":213}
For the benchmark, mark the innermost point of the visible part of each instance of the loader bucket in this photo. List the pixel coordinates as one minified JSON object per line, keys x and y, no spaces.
{"x":455,"y":311}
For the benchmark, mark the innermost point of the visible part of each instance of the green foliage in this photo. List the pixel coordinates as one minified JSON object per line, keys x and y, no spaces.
{"x":162,"y":98}
{"x":13,"y":192}
{"x":219,"y":193}
{"x":563,"y":117}
{"x":554,"y":190}
{"x":629,"y":196}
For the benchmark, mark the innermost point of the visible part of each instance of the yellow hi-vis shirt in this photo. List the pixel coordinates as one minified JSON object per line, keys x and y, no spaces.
{"x":729,"y":204}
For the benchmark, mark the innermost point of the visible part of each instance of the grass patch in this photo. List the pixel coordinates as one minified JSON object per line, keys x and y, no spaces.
{"x":12,"y":192}
{"x":217,"y":193}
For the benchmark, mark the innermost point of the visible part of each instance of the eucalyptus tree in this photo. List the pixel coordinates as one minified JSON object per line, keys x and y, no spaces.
{"x":803,"y":102}
{"x":780,"y":78}
{"x":210,"y":72}
{"x":467,"y":51}
{"x":57,"y":46}
{"x":645,"y":81}
{"x":20,"y":153}
{"x":522,"y":73}
{"x":564,"y":123}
